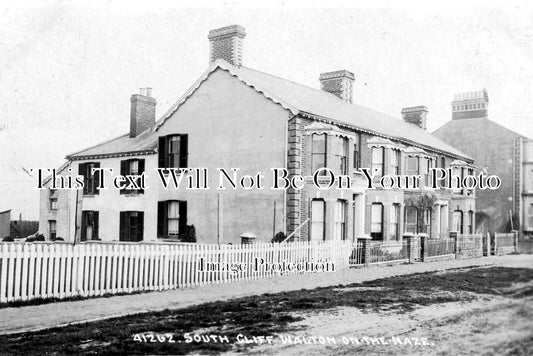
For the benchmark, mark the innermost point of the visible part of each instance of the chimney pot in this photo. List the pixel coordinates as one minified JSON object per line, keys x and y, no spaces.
{"x":470,"y":105}
{"x":339,"y":83}
{"x":149,"y":92}
{"x":226,"y":43}
{"x":416,"y":115}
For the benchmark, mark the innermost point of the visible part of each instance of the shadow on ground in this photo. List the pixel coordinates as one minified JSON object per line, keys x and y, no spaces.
{"x":268,"y":313}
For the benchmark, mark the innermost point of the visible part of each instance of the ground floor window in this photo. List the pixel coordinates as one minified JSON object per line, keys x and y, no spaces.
{"x":340,"y":220}
{"x":394,"y":232}
{"x":171,"y":218}
{"x":458,"y":221}
{"x":411,"y":219}
{"x":470,"y":226}
{"x":529,"y":217}
{"x":89,"y":225}
{"x":427,"y":221}
{"x":443,"y":219}
{"x":52,"y":229}
{"x":318,"y":213}
{"x":131,"y":226}
{"x":376,"y":221}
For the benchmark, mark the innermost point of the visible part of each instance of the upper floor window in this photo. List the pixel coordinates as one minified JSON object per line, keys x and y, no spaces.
{"x":395,"y":162}
{"x":90,"y":179}
{"x":173,"y":151}
{"x":411,"y":166}
{"x":53,"y":203}
{"x":357,"y":152}
{"x":318,"y":153}
{"x":376,"y":221}
{"x":132,"y":167}
{"x":378,"y":159}
{"x":459,"y":172}
{"x":342,"y":156}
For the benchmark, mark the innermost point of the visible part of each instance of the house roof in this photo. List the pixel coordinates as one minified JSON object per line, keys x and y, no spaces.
{"x":144,"y":143}
{"x":60,"y":170}
{"x":478,"y":124}
{"x":321,"y":105}
{"x":294,"y":97}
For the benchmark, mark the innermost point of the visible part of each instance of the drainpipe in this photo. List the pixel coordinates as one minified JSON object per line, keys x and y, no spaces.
{"x":286,"y":167}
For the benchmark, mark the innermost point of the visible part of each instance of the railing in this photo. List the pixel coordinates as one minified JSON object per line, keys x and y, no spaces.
{"x":440,"y":247}
{"x":60,"y":270}
{"x":356,"y":256}
{"x":469,"y":245}
{"x":382,"y":253}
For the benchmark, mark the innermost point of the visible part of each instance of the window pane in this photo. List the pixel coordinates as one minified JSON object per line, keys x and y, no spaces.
{"x":376,"y":218}
{"x":412,"y":165}
{"x":317,"y":220}
{"x":174,"y":144}
{"x":317,"y":210}
{"x":134,"y":167}
{"x":377,"y":155}
{"x":173,"y":210}
{"x":319,"y":143}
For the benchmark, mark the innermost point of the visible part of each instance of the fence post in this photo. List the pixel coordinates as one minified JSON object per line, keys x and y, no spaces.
{"x":455,"y":236}
{"x":365,"y":245}
{"x":410,"y":238}
{"x":495,"y":244}
{"x":424,"y":246}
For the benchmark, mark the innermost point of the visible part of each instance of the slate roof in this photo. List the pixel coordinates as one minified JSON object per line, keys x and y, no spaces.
{"x":298,"y":99}
{"x":144,"y":143}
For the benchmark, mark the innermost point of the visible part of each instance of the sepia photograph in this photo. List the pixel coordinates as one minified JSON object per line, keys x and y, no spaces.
{"x":275,"y":178}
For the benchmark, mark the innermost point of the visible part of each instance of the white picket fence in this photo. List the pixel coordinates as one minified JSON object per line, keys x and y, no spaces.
{"x":61,"y":270}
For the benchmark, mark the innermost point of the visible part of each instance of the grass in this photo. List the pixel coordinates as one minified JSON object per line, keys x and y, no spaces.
{"x":267,"y":314}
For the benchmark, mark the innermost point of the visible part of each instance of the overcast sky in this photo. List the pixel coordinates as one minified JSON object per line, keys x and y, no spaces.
{"x":66,"y":73}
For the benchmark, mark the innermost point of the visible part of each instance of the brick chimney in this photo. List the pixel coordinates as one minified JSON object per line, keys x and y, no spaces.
{"x":339,"y":83}
{"x":226,"y":43}
{"x":142,"y":115}
{"x":470,"y":105}
{"x":416,"y":115}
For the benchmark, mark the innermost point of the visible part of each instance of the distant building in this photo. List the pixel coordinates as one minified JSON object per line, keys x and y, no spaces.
{"x":523,"y":188}
{"x":498,"y":151}
{"x":5,"y":219}
{"x":238,"y":117}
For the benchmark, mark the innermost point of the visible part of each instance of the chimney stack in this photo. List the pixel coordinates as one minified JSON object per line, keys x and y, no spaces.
{"x":416,"y":115}
{"x":142,"y":115}
{"x":470,"y":105}
{"x":226,"y":43}
{"x":339,"y":83}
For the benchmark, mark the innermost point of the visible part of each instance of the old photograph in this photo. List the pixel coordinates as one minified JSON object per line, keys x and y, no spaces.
{"x":278,"y":178}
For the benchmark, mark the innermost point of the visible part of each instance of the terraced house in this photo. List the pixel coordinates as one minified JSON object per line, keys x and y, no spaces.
{"x":238,"y":117}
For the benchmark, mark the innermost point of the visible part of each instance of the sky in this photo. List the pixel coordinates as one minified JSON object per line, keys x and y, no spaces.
{"x":67,"y":72}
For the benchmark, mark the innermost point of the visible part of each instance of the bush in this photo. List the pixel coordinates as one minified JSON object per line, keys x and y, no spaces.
{"x":8,"y":239}
{"x":37,"y":237}
{"x":189,"y":235}
{"x":279,"y":237}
